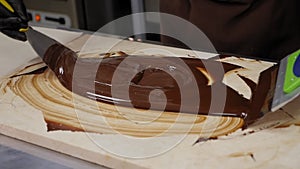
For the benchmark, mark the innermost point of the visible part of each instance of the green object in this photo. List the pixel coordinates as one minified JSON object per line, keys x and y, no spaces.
{"x":291,"y":81}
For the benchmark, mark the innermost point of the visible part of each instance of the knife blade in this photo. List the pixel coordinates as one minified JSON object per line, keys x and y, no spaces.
{"x":39,"y":41}
{"x":288,"y":81}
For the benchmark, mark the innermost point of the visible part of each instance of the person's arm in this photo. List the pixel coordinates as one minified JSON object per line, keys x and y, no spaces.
{"x":13,"y":19}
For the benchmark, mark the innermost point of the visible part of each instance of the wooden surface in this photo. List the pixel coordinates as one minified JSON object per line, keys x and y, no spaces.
{"x":273,"y":142}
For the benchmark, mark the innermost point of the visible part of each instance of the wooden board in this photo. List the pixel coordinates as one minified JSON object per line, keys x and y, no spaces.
{"x":113,"y":142}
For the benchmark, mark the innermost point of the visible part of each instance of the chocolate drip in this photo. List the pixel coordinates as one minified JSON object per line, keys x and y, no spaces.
{"x":93,"y":78}
{"x":37,"y":71}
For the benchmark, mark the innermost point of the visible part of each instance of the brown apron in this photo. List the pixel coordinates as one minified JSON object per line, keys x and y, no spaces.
{"x":257,"y":28}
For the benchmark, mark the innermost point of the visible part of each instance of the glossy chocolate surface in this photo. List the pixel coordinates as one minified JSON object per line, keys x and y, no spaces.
{"x":95,"y":78}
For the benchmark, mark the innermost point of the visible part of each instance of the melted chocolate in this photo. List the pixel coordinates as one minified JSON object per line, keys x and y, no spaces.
{"x":93,"y":78}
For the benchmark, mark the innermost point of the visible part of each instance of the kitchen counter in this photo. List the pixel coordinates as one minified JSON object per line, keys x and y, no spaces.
{"x":21,"y":155}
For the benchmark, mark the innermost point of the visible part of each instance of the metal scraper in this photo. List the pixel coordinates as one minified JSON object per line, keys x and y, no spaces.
{"x":288,"y":81}
{"x":39,"y":41}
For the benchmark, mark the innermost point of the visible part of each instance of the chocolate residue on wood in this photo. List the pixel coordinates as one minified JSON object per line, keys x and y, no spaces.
{"x":242,"y":154}
{"x":54,"y":126}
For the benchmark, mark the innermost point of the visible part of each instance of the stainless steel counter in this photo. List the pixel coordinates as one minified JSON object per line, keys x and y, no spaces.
{"x":15,"y":154}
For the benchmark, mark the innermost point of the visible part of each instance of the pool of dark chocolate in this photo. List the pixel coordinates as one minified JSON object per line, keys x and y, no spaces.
{"x":97,"y":79}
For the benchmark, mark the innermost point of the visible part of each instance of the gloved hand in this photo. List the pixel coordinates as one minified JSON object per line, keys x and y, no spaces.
{"x":13,"y":19}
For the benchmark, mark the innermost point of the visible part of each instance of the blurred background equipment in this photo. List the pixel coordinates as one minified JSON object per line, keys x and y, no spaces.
{"x":90,"y":14}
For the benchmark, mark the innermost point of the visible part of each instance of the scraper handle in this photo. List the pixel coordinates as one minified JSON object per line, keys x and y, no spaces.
{"x":292,"y":74}
{"x":296,"y":69}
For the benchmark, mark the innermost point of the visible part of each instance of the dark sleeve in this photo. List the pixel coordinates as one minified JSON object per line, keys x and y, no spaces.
{"x":259,"y":28}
